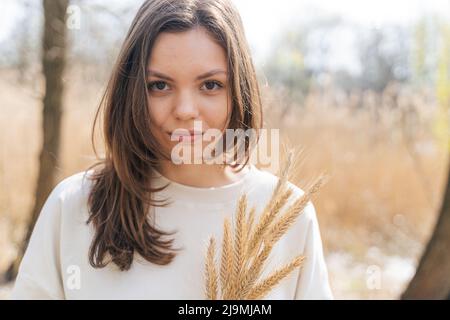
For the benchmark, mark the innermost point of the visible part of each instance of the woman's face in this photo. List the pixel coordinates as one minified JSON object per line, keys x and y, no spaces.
{"x":187,"y":82}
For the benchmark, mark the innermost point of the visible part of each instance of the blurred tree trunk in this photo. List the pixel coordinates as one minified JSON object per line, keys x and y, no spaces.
{"x":53,"y":62}
{"x":432,"y":278}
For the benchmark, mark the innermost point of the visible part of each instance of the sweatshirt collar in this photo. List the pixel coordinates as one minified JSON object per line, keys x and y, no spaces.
{"x":180,"y":192}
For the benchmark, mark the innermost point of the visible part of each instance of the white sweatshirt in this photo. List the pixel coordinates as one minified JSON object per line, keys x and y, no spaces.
{"x":56,"y":264}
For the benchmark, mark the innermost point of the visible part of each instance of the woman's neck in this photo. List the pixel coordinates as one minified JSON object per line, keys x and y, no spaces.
{"x":201,"y":175}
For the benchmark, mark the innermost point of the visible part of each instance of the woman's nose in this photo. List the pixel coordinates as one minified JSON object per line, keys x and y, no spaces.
{"x":186,"y":107}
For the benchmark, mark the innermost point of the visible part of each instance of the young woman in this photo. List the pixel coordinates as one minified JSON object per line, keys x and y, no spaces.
{"x":137,"y":227}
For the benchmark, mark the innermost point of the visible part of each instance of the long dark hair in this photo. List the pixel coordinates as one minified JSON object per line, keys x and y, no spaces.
{"x":121,"y":194}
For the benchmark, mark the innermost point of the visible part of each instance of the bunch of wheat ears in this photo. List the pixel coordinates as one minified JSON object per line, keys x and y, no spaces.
{"x":246,"y":248}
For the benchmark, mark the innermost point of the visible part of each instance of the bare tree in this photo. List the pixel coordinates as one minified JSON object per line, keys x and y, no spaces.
{"x":53,"y":63}
{"x":432,"y":278}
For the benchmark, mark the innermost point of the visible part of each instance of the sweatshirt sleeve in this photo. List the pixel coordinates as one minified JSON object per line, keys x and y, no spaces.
{"x":313,"y":281}
{"x":39,"y":275}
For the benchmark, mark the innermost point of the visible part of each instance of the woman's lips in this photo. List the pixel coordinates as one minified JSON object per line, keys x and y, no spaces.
{"x":190,"y":137}
{"x":186,"y":138}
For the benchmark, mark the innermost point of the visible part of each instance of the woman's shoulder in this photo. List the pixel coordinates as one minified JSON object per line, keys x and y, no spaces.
{"x":261,"y":193}
{"x":264,"y":184}
{"x":73,"y":188}
{"x":267,"y":181}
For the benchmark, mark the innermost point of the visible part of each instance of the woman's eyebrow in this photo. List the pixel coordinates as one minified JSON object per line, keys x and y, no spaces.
{"x":200,"y":77}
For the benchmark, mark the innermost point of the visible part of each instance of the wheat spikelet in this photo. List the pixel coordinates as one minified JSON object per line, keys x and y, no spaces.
{"x":271,"y":281}
{"x":247,"y":233}
{"x":226,"y":261}
{"x":249,"y":227}
{"x":284,"y":173}
{"x":253,"y":272}
{"x":266,"y":220}
{"x":285,"y":221}
{"x":211,"y":274}
{"x":238,"y":247}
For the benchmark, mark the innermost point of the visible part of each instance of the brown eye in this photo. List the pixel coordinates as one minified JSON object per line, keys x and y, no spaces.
{"x":210,"y":85}
{"x":157,"y":86}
